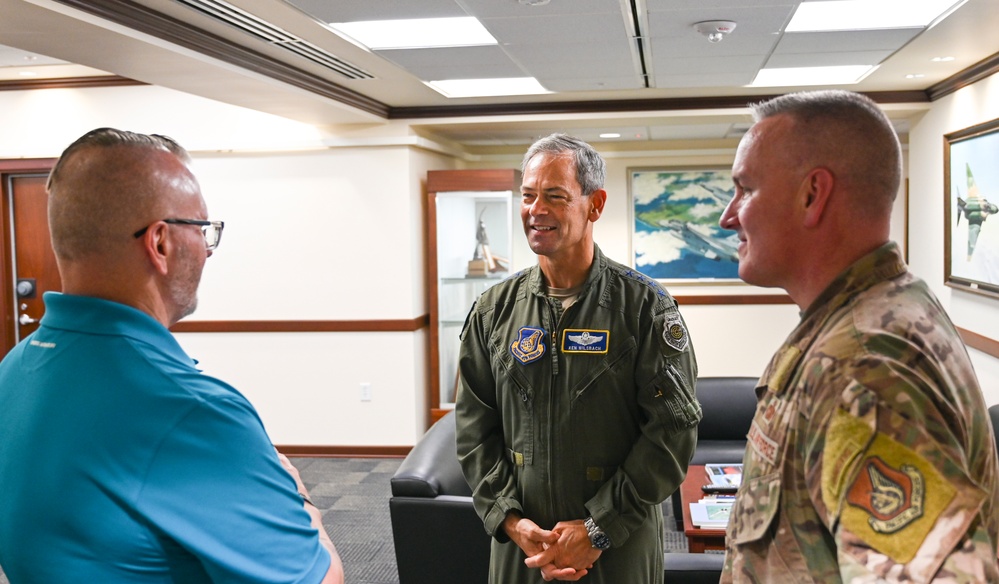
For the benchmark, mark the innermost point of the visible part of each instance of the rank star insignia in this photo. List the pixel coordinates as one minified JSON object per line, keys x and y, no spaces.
{"x":674,"y":333}
{"x":892,"y":497}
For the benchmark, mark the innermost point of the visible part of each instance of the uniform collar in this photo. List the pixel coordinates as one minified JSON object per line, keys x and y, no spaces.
{"x":882,"y":264}
{"x":536,"y":282}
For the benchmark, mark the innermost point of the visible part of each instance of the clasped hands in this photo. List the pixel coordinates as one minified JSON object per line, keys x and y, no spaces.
{"x":562,"y":553}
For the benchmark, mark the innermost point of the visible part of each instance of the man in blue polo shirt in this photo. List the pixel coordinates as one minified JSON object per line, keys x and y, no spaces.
{"x":119,"y":461}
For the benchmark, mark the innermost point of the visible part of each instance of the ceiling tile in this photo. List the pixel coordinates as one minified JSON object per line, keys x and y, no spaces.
{"x":359,"y":10}
{"x":507,"y":8}
{"x":708,"y":65}
{"x":485,"y":62}
{"x":590,"y":83}
{"x":672,"y":32}
{"x":566,"y":60}
{"x":843,"y":41}
{"x":701,"y":80}
{"x":827,"y":59}
{"x":597,"y":28}
{"x":662,"y":5}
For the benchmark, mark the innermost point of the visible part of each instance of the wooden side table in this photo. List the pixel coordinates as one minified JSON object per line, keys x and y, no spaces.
{"x":698,"y":540}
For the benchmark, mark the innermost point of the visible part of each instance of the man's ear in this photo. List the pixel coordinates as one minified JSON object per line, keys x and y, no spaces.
{"x":597,"y":200}
{"x":817,"y":188}
{"x":157,"y":246}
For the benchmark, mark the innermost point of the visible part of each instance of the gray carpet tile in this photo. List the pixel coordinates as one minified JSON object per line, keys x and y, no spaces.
{"x":353,"y":495}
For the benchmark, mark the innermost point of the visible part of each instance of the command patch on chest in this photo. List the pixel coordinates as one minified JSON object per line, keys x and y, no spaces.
{"x":585,"y":341}
{"x":530,"y":344}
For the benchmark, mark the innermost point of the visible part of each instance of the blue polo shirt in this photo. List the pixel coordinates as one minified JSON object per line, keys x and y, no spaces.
{"x":121,"y":462}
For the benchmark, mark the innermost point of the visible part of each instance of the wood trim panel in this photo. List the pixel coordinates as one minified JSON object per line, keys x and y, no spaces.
{"x":982,"y":343}
{"x":732,"y":299}
{"x":67,"y":83}
{"x":302,"y":326}
{"x":622,"y":105}
{"x":497,"y":179}
{"x":143,"y":19}
{"x":26,"y":165}
{"x":344,"y":451}
{"x":977,"y":72}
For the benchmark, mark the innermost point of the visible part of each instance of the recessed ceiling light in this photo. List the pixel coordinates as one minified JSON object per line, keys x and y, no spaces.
{"x":418,"y":33}
{"x":942,"y":59}
{"x":915,"y":76}
{"x":610,"y":135}
{"x":868,"y":14}
{"x":28,"y":74}
{"x":792,"y":76}
{"x":487,"y":87}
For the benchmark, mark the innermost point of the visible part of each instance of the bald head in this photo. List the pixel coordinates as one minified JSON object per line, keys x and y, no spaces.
{"x":108,"y":184}
{"x":847,"y":133}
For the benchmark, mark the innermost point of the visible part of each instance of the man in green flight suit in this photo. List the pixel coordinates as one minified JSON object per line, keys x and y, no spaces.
{"x":871,"y":457}
{"x":576,"y":414}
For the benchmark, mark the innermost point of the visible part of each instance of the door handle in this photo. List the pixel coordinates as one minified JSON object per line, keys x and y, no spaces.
{"x":24,"y":319}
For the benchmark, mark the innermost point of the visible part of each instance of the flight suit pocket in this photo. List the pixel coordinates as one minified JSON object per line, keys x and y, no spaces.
{"x":755,"y":509}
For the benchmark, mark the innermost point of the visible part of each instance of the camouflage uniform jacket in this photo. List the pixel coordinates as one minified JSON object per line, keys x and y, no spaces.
{"x":871,"y":456}
{"x":588,"y":411}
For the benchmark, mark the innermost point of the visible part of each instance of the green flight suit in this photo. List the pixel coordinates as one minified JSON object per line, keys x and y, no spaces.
{"x":586,"y":412}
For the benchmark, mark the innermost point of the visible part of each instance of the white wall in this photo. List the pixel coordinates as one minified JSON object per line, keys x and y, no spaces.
{"x":966,"y":107}
{"x":316,"y":233}
{"x":312,"y":233}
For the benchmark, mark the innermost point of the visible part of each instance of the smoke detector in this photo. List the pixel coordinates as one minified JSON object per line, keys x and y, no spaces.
{"x":715,"y":30}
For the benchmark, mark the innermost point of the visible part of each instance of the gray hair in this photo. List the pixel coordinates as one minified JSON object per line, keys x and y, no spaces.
{"x":590,"y":168}
{"x":847,"y":127}
{"x":94,"y":200}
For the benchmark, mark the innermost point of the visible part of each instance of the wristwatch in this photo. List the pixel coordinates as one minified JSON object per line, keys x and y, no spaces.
{"x":598,"y":538}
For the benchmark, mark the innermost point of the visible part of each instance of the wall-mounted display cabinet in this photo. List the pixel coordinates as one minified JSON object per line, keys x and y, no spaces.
{"x":470,"y":248}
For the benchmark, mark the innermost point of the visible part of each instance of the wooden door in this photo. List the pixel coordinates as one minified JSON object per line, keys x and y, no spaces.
{"x":29,"y":263}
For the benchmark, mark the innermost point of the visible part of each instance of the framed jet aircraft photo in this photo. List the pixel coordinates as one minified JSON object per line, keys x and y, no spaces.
{"x":675,"y":214}
{"x":971,"y":195}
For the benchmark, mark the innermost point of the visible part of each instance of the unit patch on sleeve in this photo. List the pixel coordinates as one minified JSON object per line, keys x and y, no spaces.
{"x":895,"y":499}
{"x":584,"y":341}
{"x":530,"y":344}
{"x":674,"y":333}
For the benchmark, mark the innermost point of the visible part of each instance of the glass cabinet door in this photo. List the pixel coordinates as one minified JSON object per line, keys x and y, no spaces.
{"x":474,"y":232}
{"x":469,"y":218}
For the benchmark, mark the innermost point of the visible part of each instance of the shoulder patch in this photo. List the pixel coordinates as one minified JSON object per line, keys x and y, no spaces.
{"x":895,"y":499}
{"x":529,"y":345}
{"x":674,"y":331}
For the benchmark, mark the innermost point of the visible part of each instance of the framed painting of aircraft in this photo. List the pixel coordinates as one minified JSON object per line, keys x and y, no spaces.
{"x":675,"y":215}
{"x":971,"y":195}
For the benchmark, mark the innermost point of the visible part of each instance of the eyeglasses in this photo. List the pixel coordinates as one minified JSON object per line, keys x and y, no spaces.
{"x":212,"y":230}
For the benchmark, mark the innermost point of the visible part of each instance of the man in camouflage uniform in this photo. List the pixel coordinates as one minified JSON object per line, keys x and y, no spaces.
{"x":871,"y":456}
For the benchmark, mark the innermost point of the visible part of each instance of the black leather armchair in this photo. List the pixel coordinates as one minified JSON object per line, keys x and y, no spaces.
{"x":727,"y":408}
{"x":438,"y":537}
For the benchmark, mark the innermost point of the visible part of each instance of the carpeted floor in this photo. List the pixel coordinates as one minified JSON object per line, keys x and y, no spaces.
{"x":353,"y":495}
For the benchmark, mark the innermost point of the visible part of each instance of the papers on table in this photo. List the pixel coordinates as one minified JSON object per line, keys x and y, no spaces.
{"x":724,"y":475}
{"x":711,"y":512}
